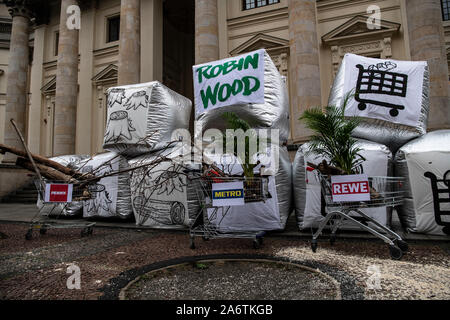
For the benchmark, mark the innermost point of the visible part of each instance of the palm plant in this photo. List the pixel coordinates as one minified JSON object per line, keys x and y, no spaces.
{"x":236,"y":123}
{"x":332,"y":136}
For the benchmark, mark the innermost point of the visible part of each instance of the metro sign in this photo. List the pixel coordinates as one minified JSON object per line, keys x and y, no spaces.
{"x":350,"y":188}
{"x":56,"y":192}
{"x":228,"y":194}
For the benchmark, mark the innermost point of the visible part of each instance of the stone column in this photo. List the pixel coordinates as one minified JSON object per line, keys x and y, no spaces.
{"x":304,"y":71}
{"x":206,"y":31}
{"x":129,"y":65}
{"x":66,"y":84}
{"x":427,"y":42}
{"x":16,"y":86}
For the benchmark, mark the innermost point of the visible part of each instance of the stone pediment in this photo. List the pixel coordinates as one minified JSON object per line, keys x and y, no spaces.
{"x":50,"y":86}
{"x":357,"y":28}
{"x":261,"y":41}
{"x":107,"y":74}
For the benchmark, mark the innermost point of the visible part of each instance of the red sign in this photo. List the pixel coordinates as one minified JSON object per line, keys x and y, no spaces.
{"x":350,"y":188}
{"x":58,"y":192}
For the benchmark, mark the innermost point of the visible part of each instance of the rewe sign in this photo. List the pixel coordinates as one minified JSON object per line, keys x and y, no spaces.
{"x":350,"y":188}
{"x":230,"y":81}
{"x":58,"y":192}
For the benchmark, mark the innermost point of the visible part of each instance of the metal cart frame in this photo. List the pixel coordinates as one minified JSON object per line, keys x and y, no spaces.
{"x":385,"y":192}
{"x":438,"y":212}
{"x":375,"y":81}
{"x":255,"y":190}
{"x":80,"y":192}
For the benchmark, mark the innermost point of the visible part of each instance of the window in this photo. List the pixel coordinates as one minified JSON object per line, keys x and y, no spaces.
{"x":445,"y":10}
{"x":113,"y":26}
{"x":56,"y":43}
{"x":251,"y":4}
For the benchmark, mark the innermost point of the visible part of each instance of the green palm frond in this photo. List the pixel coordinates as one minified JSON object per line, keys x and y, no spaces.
{"x":236,"y":123}
{"x":332,"y":136}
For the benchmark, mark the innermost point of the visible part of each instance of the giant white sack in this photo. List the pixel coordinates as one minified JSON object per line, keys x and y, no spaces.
{"x":248,"y":85}
{"x":391,"y":96}
{"x":162,"y":197}
{"x":258,"y":216}
{"x":142,"y":117}
{"x":112,"y":198}
{"x":429,"y":153}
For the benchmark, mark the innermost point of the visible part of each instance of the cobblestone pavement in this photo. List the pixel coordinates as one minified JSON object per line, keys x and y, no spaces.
{"x":37,"y":269}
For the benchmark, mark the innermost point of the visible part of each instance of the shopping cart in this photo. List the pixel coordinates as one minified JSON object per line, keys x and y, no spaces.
{"x":372,"y":81}
{"x":384,"y":192}
{"x":208,"y":222}
{"x":80,"y":192}
{"x":437,"y":200}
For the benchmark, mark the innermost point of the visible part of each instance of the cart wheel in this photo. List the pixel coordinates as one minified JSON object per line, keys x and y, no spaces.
{"x":446,"y":230}
{"x":257,"y":243}
{"x":332,"y":239}
{"x":361,"y":106}
{"x":90,"y":230}
{"x":261,"y":240}
{"x":29,"y":234}
{"x":395,"y":252}
{"x":313,"y":245}
{"x":84,"y":232}
{"x":42,"y":231}
{"x":402,"y":245}
{"x":393,"y":112}
{"x":192,"y":245}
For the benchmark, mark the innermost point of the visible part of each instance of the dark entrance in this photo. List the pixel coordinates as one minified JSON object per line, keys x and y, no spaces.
{"x":178,"y":46}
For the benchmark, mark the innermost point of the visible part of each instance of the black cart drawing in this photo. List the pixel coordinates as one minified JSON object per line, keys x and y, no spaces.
{"x":372,"y":81}
{"x":438,"y":200}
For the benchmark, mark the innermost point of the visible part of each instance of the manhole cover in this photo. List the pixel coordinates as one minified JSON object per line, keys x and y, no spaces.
{"x":231,"y":280}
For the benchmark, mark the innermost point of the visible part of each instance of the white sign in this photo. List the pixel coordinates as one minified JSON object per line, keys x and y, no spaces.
{"x":229,"y":81}
{"x":350,"y":188}
{"x":389,"y":90}
{"x":228,"y":194}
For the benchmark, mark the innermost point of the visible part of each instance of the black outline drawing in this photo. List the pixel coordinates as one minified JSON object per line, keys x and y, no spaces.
{"x":137,"y":99}
{"x":437,"y":200}
{"x":115,"y":95}
{"x":375,"y":82}
{"x":114,"y":130}
{"x":159,"y":182}
{"x":385,"y":66}
{"x":157,"y":210}
{"x":102,"y":199}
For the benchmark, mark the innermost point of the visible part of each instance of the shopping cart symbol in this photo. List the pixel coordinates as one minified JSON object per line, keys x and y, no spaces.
{"x":371,"y":81}
{"x":441,"y":197}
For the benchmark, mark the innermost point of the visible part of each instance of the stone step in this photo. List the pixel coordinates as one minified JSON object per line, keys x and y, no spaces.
{"x":26,"y":194}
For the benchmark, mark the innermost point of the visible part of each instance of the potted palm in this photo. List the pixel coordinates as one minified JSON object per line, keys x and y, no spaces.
{"x":252,"y":185}
{"x":332,"y":139}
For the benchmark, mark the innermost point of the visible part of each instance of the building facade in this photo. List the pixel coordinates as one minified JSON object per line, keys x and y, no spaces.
{"x":55,"y":68}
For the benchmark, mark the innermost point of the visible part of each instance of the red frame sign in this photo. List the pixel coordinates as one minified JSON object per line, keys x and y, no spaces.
{"x":58,"y":192}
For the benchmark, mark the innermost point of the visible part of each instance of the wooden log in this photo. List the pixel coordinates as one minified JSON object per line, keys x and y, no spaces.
{"x":45,"y":161}
{"x":47,"y":172}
